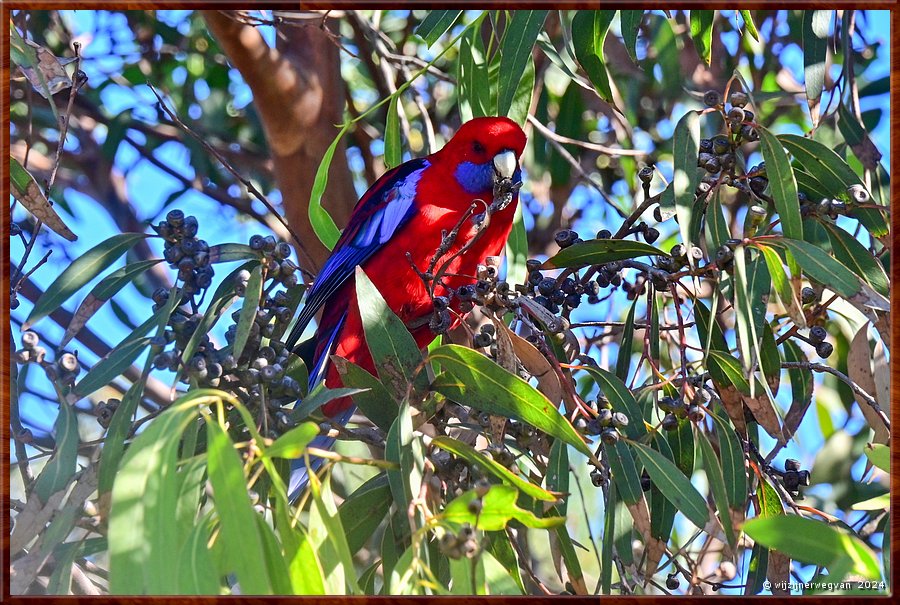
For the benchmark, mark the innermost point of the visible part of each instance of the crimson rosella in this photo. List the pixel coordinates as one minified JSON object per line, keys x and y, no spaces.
{"x":398,"y":221}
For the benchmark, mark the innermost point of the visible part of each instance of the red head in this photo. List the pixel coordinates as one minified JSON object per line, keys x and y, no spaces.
{"x":482,"y":147}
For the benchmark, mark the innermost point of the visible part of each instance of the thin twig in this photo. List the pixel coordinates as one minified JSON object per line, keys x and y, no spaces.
{"x":818,"y":367}
{"x":245,"y":182}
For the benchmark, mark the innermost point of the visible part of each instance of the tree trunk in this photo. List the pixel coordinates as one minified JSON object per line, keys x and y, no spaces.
{"x":299,"y":94}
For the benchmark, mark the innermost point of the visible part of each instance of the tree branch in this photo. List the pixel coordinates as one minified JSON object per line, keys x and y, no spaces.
{"x":298,"y":91}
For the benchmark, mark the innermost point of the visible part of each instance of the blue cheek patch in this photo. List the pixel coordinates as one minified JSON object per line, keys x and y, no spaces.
{"x":475,"y":178}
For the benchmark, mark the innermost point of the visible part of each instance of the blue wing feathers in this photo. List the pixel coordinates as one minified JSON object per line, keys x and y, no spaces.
{"x":384,"y":209}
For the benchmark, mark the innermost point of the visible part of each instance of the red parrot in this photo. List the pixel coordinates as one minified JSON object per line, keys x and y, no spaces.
{"x":402,"y":218}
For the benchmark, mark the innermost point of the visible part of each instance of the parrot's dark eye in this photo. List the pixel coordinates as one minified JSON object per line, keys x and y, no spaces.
{"x":478,"y":147}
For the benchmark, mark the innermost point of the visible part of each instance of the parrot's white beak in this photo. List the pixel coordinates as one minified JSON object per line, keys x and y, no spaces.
{"x":505,"y":164}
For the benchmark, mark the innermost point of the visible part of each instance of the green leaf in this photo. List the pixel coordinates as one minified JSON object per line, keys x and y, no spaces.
{"x":373,"y":400}
{"x":227,"y":253}
{"x":631,"y":27}
{"x":472,"y":378}
{"x":624,"y":472}
{"x":557,"y":476}
{"x":782,"y":285}
{"x":322,"y":223}
{"x":815,"y":49}
{"x":364,"y":510}
{"x":471,"y":455}
{"x":517,"y":250}
{"x":589,"y":29}
{"x":856,"y":257}
{"x":734,"y":471}
{"x":731,"y":368}
{"x":196,"y":571}
{"x":769,"y":502}
{"x":62,"y":464}
{"x":662,"y":511}
{"x":820,"y":267}
{"x":716,"y":478}
{"x":515,"y":50}
{"x":329,"y":540}
{"x":622,"y":400}
{"x":316,"y":398}
{"x":518,"y":111}
{"x":393,"y":151}
{"x":598,"y":252}
{"x":781,"y":184}
{"x":498,"y":509}
{"x":834,"y":175}
{"x":685,"y":147}
{"x":24,"y":188}
{"x":247,"y":317}
{"x":396,"y":354}
{"x":120,"y":357}
{"x":472,"y":74}
{"x":801,"y":390}
{"x":120,"y":425}
{"x":82,"y":270}
{"x":241,"y":536}
{"x":436,"y":24}
{"x":292,"y":443}
{"x":673,"y":484}
{"x":220,"y":301}
{"x":623,"y":363}
{"x":142,"y":535}
{"x":880,"y":456}
{"x":814,"y":542}
{"x":701,"y":32}
{"x":102,"y":292}
{"x":750,"y":25}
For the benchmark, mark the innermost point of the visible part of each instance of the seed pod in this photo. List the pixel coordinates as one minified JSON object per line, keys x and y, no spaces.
{"x":758,"y":184}
{"x":749,"y":133}
{"x":609,"y":436}
{"x":817,"y":334}
{"x":736,"y":115}
{"x":68,"y":362}
{"x":712,"y":98}
{"x":858,"y":194}
{"x":30,"y":339}
{"x":670,"y":422}
{"x":190,"y":226}
{"x":695,"y":413}
{"x":808,"y":295}
{"x":282,"y":250}
{"x":706,"y":146}
{"x":738,"y":98}
{"x":565,"y":238}
{"x":646,"y":174}
{"x":256,"y":242}
{"x":791,"y":465}
{"x":824,"y":349}
{"x":721,"y":144}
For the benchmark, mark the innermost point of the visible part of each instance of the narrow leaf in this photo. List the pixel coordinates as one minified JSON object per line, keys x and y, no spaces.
{"x":436,"y":24}
{"x":247,"y":317}
{"x":396,"y":354}
{"x":673,"y":484}
{"x":589,"y":29}
{"x":781,"y":184}
{"x":815,"y":49}
{"x":393,"y":152}
{"x":598,"y":252}
{"x":515,"y":50}
{"x":701,"y":32}
{"x":472,"y":378}
{"x":472,"y":456}
{"x":631,"y":27}
{"x":82,"y":270}
{"x":26,"y":190}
